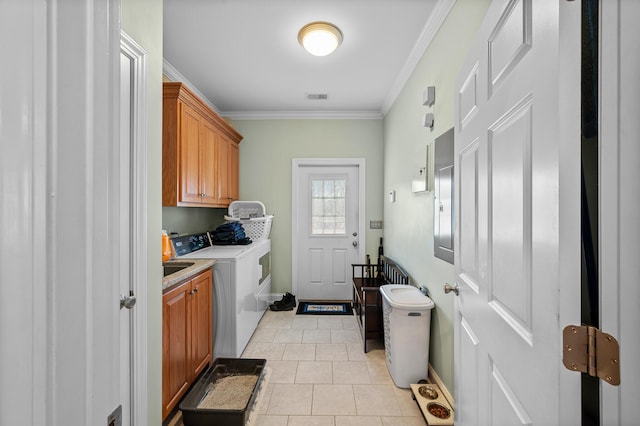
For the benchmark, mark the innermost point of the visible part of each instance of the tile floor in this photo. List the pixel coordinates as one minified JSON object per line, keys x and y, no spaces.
{"x":320,"y":376}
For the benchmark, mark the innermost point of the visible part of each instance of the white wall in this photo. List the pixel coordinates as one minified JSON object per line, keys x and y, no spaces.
{"x":408,"y":233}
{"x":142,"y":20}
{"x":265,"y":172}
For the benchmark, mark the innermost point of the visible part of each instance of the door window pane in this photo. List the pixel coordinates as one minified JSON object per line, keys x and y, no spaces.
{"x":328,"y":206}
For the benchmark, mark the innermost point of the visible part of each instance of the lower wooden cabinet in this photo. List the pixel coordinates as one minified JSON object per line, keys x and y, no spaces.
{"x":201,"y":332}
{"x":186,"y":336}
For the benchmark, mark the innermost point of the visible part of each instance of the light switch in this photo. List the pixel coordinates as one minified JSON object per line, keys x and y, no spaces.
{"x":375,"y":224}
{"x":428,"y":120}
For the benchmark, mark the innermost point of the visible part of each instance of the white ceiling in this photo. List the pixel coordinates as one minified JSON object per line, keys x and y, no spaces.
{"x":244,"y":55}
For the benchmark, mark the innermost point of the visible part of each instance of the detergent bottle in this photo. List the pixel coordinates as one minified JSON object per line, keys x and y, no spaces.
{"x":166,"y":247}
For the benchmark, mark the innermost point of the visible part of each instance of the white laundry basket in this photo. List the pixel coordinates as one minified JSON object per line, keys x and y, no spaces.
{"x":407,"y":322}
{"x":251,"y":214}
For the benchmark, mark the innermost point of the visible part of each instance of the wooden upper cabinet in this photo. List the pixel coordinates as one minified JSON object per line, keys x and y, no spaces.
{"x":228,"y":169}
{"x":208,"y":164}
{"x":199,"y":152}
{"x":233,"y":170}
{"x":222,"y":170}
{"x":190,"y":153}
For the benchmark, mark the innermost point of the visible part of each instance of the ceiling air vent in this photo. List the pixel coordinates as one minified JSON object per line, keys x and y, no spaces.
{"x":316,"y":96}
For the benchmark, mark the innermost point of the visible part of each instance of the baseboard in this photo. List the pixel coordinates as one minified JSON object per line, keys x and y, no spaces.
{"x":435,"y":379}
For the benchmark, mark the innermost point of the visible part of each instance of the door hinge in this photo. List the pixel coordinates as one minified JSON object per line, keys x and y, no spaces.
{"x":591,"y":351}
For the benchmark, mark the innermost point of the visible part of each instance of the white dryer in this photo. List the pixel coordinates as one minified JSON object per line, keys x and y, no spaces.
{"x":241,"y":288}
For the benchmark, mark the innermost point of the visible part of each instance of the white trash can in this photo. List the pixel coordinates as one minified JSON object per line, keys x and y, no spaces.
{"x":407,"y":321}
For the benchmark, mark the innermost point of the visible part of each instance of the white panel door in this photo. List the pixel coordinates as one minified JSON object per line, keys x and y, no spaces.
{"x":328,"y":230}
{"x":131,"y":247}
{"x":510,"y":194}
{"x":125,"y":272}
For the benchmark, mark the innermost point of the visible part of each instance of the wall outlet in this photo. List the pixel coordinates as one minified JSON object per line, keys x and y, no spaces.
{"x":375,"y":224}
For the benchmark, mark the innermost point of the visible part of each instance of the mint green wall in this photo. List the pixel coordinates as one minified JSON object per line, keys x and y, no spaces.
{"x":408,"y":233}
{"x":266,"y":154}
{"x":142,"y":20}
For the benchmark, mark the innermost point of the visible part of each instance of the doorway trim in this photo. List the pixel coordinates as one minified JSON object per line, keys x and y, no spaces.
{"x":298,"y":163}
{"x":138,"y":57}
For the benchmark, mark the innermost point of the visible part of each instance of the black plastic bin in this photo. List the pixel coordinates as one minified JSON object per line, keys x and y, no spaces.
{"x":221,"y":368}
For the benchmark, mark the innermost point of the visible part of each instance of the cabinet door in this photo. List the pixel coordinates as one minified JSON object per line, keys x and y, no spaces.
{"x":232,"y":172}
{"x":201,"y":333}
{"x":223,"y":169}
{"x":208,"y":173}
{"x":189,"y":149}
{"x":176,"y":329}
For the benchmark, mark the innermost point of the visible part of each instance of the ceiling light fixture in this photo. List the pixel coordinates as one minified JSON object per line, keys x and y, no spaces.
{"x":320,"y":38}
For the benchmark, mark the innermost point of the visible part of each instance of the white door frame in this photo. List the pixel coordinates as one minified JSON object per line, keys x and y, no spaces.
{"x":569,"y":177}
{"x":58,"y":298}
{"x":24,"y":274}
{"x":296,"y":164}
{"x":138,"y":58}
{"x":619,"y":203}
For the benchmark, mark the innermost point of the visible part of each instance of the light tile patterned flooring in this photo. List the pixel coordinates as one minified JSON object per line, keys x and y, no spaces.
{"x":319,"y":375}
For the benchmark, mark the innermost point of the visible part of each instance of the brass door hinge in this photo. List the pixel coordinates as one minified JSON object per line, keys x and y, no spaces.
{"x":591,"y":351}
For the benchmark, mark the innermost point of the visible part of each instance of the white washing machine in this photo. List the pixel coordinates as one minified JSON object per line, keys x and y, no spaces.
{"x":241,"y":288}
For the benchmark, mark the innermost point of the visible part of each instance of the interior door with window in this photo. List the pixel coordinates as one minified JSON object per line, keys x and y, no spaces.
{"x":327,"y":229}
{"x":517,"y":151}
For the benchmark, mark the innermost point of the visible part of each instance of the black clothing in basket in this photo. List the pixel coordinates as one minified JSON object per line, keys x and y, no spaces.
{"x":229,"y":234}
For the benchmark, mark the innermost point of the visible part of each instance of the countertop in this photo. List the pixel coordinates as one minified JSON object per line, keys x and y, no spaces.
{"x":198,"y":266}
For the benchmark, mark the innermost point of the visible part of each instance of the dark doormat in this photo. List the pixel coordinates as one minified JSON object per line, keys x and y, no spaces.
{"x":324,"y":308}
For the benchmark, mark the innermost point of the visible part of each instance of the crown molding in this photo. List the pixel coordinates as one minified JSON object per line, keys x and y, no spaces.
{"x":440,"y":12}
{"x":174,"y":75}
{"x":302,"y":115}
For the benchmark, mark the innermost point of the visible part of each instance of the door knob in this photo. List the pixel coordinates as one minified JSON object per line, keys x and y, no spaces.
{"x":355,"y":234}
{"x":127,"y":301}
{"x":355,"y":243}
{"x":448,"y":288}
